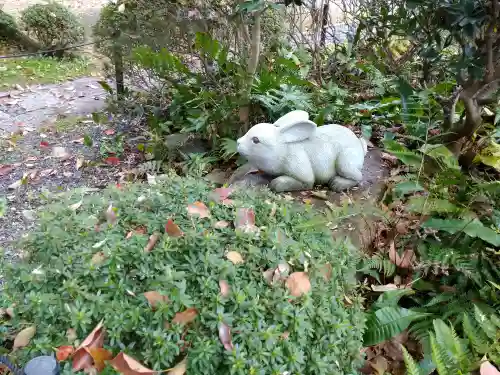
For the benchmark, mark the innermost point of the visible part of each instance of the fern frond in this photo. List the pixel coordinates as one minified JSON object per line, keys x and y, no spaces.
{"x":438,"y":356}
{"x":476,"y":337}
{"x":486,"y":325}
{"x":412,"y":367}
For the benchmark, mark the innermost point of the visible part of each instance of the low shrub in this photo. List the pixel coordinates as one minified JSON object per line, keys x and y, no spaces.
{"x":52,"y":24}
{"x":87,"y":262}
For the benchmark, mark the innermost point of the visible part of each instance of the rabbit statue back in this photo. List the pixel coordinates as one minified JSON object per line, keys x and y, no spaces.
{"x":299,"y":154}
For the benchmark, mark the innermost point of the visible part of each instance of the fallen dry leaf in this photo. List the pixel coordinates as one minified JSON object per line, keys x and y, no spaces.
{"x":221,"y":224}
{"x":81,"y":358}
{"x":225,"y":336}
{"x":60,"y":153}
{"x":44,"y":144}
{"x":112,"y":160}
{"x":221,"y":194}
{"x":173,"y":229}
{"x":153,"y":239}
{"x":180,"y":368}
{"x":198,"y":209}
{"x":488,"y":369}
{"x":380,"y":365}
{"x":109,"y":131}
{"x":63,"y":352}
{"x":79,"y":163}
{"x":298,"y":284}
{"x":98,"y":258}
{"x":388,"y":157}
{"x":224,"y":288}
{"x":24,"y":337}
{"x":100,"y":355}
{"x":154,"y":298}
{"x":10,"y":311}
{"x":127,"y":365}
{"x":139,"y":230}
{"x":268,"y":275}
{"x":5,"y":169}
{"x":245,"y":220}
{"x":384,"y":288}
{"x":186,"y":316}
{"x":405,"y":261}
{"x":76,"y":206}
{"x":234,"y":257}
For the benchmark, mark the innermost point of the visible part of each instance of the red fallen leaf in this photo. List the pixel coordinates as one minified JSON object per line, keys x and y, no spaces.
{"x":5,"y":169}
{"x":44,"y":144}
{"x":63,"y":352}
{"x":173,"y":229}
{"x":127,"y":365}
{"x":245,"y":220}
{"x":100,"y":355}
{"x":112,"y":160}
{"x":109,"y":131}
{"x":221,"y":194}
{"x":186,"y":316}
{"x":225,"y":336}
{"x":81,"y":358}
{"x":154,"y":298}
{"x":404,"y":261}
{"x":118,"y":186}
{"x":199,"y":209}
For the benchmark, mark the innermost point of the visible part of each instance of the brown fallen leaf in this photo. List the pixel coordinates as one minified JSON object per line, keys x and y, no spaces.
{"x":225,"y":336}
{"x":24,"y":337}
{"x":221,"y":224}
{"x":173,"y":229}
{"x":81,"y":358}
{"x":245,"y":220}
{"x":127,"y":365}
{"x":153,"y":239}
{"x":234,"y":257}
{"x":221,"y":194}
{"x":180,"y":368}
{"x":224,"y":288}
{"x":405,"y":261}
{"x":79,"y":163}
{"x":186,"y":316}
{"x":64,"y":352}
{"x":98,"y":258}
{"x":5,"y":169}
{"x":388,"y":157}
{"x":154,"y":298}
{"x":10,"y":311}
{"x":298,"y":284}
{"x":100,"y":355}
{"x":198,"y":209}
{"x":379,"y":365}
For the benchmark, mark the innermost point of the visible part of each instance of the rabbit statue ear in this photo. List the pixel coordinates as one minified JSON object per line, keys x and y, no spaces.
{"x":292,"y":118}
{"x":298,"y":131}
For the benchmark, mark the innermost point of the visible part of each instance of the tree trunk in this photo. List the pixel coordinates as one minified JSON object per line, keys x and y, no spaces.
{"x":253,"y":62}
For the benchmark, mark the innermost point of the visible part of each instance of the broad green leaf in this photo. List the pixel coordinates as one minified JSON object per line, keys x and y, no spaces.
{"x":407,"y":187}
{"x":426,"y":205}
{"x":440,"y":152}
{"x":388,"y":322}
{"x":472,"y":228}
{"x":391,"y":298}
{"x":490,"y":156}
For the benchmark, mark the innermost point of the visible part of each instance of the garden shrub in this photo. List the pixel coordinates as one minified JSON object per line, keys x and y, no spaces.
{"x":74,"y":275}
{"x":52,"y":24}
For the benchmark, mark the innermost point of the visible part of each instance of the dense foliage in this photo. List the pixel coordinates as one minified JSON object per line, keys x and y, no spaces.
{"x":81,"y":267}
{"x":52,"y":24}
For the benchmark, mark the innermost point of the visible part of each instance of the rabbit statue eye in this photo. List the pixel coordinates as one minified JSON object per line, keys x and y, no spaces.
{"x":255,"y":140}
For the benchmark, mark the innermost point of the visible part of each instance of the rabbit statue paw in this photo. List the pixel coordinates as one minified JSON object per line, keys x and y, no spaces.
{"x":299,"y":154}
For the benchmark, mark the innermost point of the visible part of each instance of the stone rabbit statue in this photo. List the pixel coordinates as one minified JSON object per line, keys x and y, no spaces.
{"x":299,"y":154}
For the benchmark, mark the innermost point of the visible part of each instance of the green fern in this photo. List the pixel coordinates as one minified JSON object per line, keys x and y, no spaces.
{"x":411,"y":366}
{"x":452,"y":354}
{"x":381,"y":264}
